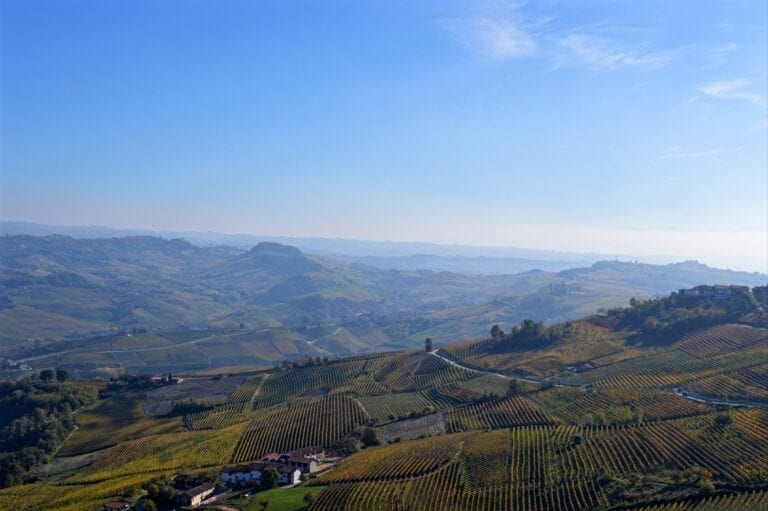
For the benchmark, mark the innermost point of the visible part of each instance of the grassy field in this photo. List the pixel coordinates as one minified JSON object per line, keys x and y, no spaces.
{"x":278,"y":499}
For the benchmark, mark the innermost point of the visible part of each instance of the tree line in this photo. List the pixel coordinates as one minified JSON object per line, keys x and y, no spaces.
{"x":37,"y":416}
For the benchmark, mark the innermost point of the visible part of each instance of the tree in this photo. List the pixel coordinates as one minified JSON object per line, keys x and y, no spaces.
{"x":496,"y":332}
{"x":514,"y":388}
{"x":47,"y":375}
{"x":547,"y":384}
{"x":149,"y":505}
{"x":722,"y":420}
{"x":370,"y":437}
{"x":269,"y":478}
{"x":62,"y":374}
{"x":428,"y":344}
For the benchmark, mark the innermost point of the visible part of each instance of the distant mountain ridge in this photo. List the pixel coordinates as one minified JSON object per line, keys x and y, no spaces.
{"x":382,"y":254}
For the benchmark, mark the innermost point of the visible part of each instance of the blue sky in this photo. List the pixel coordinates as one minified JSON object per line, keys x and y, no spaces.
{"x":616,"y":127}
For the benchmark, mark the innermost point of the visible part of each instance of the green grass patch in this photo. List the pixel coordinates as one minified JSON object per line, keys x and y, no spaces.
{"x":280,"y":499}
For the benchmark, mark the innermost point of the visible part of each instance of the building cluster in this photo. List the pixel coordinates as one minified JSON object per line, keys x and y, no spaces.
{"x":16,"y":365}
{"x":716,"y":292}
{"x":192,"y":491}
{"x":288,"y":466}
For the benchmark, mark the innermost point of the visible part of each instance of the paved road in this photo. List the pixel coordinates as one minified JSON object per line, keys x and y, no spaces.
{"x":480,"y":371}
{"x":154,"y":348}
{"x":195,"y":341}
{"x":714,"y":401}
{"x":700,"y":399}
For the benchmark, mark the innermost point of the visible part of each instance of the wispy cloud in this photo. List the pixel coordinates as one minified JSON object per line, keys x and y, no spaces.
{"x":492,"y":39}
{"x":598,"y":53}
{"x":507,"y":36}
{"x":733,"y":89}
{"x":677,"y":153}
{"x":718,"y":55}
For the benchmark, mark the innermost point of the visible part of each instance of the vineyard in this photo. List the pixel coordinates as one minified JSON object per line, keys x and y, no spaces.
{"x":279,"y":388}
{"x":388,"y":407}
{"x":235,"y":409}
{"x":611,"y":427}
{"x":582,"y":340}
{"x":516,"y":411}
{"x":116,"y":419}
{"x":187,"y":450}
{"x":318,"y":421}
{"x":609,"y":406}
{"x":397,"y":461}
{"x":670,"y":368}
{"x":748,"y":501}
{"x":721,"y":339}
{"x":746,"y":385}
{"x":542,"y":467}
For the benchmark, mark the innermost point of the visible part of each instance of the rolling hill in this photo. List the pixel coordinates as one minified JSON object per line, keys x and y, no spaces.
{"x":64,"y":298}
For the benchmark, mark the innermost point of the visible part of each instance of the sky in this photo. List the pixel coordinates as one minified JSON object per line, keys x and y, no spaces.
{"x":612,"y":127}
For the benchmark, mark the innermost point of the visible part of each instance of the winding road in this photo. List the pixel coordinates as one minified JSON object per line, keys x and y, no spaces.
{"x":507,"y":377}
{"x":687,"y":395}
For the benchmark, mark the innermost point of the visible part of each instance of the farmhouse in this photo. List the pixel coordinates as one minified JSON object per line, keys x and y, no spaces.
{"x":288,"y":475}
{"x":251,"y":474}
{"x":316,"y":453}
{"x":195,"y":496}
{"x":187,"y":481}
{"x":305,"y":465}
{"x":303,"y":459}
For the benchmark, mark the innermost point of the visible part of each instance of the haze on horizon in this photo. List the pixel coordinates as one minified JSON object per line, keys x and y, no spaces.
{"x":610,"y":127}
